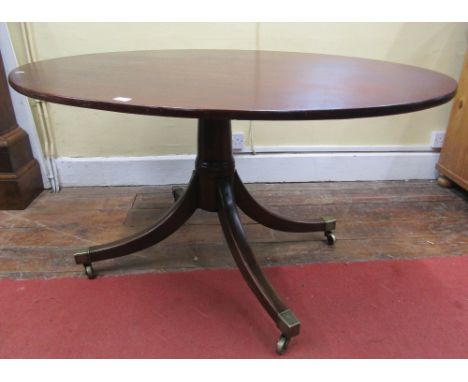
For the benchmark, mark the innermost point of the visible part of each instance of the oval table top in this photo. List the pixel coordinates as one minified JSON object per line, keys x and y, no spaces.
{"x":233,"y":84}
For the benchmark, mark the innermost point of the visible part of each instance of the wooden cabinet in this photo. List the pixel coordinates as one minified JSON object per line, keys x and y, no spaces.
{"x":20,"y":175}
{"x":453,"y":161}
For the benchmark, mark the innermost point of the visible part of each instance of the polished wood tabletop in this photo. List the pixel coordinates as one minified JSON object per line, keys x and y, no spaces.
{"x":233,"y":84}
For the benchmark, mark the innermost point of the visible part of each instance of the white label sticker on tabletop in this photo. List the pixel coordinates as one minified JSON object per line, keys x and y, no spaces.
{"x":122,"y":99}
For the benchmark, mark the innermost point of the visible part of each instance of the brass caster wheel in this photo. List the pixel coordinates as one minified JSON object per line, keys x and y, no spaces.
{"x":282,"y":344}
{"x":89,"y":271}
{"x":177,"y":192}
{"x":331,"y":238}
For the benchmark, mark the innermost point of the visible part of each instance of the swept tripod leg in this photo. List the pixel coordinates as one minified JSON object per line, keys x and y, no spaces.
{"x":170,"y":222}
{"x":260,"y":214}
{"x":245,"y":260}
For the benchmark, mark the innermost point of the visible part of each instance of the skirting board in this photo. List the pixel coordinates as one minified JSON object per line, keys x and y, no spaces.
{"x":300,"y":167}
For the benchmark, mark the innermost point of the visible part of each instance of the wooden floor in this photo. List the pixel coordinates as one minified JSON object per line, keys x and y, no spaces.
{"x":376,"y":220}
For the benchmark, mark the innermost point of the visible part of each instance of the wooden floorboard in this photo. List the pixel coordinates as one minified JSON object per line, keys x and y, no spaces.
{"x":376,"y":220}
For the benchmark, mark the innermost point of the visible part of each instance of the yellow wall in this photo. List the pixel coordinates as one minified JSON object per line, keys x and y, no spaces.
{"x":83,"y":132}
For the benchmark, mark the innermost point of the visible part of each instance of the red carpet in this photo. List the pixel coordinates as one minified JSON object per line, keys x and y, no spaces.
{"x":389,"y":309}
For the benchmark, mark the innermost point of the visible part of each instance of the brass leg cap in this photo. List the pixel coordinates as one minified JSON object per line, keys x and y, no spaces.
{"x":177,"y":192}
{"x":330,"y":223}
{"x":288,"y":323}
{"x":82,"y":257}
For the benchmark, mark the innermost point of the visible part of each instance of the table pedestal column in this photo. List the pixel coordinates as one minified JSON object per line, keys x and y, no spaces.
{"x":215,"y":186}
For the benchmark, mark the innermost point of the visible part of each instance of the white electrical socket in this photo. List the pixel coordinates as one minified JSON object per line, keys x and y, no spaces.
{"x":437,"y":139}
{"x":237,"y":141}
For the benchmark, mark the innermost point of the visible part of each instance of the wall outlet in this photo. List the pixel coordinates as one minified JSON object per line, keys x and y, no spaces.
{"x":237,"y":141}
{"x":437,"y":139}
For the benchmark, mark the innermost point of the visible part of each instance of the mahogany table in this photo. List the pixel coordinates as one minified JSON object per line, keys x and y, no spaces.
{"x":216,"y":86}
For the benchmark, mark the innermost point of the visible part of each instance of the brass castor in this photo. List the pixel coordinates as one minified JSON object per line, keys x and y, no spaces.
{"x":445,"y":182}
{"x":282,"y":344}
{"x":89,"y":271}
{"x":331,"y":238}
{"x":177,"y":193}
